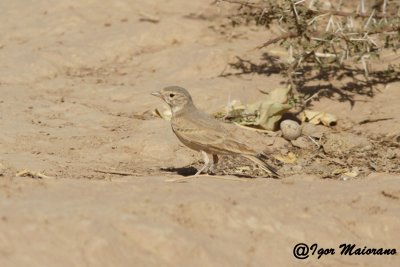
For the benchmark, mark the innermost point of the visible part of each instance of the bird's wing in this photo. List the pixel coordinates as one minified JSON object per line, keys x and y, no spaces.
{"x":202,"y":132}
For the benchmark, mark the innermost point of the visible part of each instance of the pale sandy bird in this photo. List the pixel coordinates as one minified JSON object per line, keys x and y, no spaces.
{"x":201,"y":132}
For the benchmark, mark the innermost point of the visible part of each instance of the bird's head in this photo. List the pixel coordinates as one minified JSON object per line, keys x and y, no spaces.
{"x":176,"y":97}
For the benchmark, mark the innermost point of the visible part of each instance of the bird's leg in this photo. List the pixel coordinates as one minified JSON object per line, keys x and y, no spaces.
{"x":213,"y":163}
{"x":206,"y":165}
{"x":215,"y":159}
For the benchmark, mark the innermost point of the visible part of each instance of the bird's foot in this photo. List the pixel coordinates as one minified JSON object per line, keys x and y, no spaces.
{"x":207,"y":169}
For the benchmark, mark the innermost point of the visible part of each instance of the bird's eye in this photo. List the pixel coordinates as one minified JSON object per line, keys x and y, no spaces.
{"x":171,"y":95}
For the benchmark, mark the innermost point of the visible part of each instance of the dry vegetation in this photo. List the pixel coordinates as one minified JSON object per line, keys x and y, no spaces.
{"x":333,"y":49}
{"x":326,"y":42}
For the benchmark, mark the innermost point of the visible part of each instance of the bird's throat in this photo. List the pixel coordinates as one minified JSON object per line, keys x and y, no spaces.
{"x":176,"y":109}
{"x":179,"y":109}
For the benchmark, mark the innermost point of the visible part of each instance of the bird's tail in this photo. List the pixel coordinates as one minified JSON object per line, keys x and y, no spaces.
{"x":260,"y":160}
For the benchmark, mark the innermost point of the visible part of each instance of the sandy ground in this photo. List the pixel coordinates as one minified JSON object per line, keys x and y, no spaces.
{"x":76,"y":77}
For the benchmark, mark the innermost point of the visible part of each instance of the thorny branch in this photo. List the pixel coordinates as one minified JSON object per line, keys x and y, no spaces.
{"x":328,"y":43}
{"x":316,"y":12}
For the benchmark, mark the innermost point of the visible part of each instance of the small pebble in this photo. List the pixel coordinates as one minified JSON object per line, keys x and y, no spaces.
{"x":291,"y":130}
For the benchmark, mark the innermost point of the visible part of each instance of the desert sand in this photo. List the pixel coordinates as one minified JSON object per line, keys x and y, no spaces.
{"x":76,"y":78}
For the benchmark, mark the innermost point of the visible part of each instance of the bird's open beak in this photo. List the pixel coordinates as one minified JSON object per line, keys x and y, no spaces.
{"x":158,"y":94}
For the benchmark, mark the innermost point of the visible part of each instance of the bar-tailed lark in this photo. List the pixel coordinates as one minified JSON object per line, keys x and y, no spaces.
{"x":201,"y":132}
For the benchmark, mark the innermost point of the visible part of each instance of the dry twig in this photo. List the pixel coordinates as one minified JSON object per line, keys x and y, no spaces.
{"x":122,"y":173}
{"x":33,"y":174}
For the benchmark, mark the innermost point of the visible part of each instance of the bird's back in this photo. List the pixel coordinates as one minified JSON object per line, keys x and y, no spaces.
{"x":200,"y":131}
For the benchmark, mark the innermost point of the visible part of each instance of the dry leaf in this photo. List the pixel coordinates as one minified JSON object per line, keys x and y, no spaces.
{"x":263,"y":114}
{"x":317,"y":117}
{"x":234,"y":105}
{"x":270,"y":109}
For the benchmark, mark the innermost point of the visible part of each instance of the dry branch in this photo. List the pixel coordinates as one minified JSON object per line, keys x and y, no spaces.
{"x":320,"y":11}
{"x":323,"y":43}
{"x":122,"y":173}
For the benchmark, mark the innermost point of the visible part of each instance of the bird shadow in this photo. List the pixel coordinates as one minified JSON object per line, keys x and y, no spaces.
{"x":189,"y":171}
{"x":184,"y":171}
